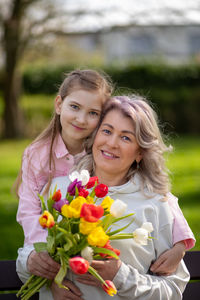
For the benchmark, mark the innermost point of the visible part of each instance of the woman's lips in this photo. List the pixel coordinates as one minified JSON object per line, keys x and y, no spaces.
{"x":109,"y":155}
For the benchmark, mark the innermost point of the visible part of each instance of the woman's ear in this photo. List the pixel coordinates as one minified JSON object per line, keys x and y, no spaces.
{"x":139,"y":157}
{"x":58,"y":104}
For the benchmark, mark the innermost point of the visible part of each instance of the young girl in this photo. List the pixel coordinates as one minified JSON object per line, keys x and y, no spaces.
{"x":78,"y":107}
{"x":55,"y":151}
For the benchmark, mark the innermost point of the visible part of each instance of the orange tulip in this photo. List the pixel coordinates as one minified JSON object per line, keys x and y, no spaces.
{"x":109,"y":288}
{"x":46,"y":220}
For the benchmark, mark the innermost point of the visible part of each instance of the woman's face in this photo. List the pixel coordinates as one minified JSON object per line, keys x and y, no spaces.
{"x":115,"y":147}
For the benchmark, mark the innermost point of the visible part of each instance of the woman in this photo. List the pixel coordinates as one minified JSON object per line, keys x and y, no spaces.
{"x":127,"y":155}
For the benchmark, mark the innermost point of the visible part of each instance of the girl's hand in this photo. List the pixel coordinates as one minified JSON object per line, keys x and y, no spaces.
{"x":41,"y":264}
{"x":106,"y":268}
{"x":168,"y":261}
{"x":62,"y":294}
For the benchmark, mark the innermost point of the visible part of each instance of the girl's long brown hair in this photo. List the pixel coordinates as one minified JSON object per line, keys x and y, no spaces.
{"x":89,"y":80}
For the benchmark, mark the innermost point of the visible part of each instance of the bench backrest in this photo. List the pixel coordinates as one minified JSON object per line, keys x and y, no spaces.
{"x":192,"y":261}
{"x":9,"y":281}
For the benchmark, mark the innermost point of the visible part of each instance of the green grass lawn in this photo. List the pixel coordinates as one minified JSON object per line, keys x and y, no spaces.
{"x":184,"y":163}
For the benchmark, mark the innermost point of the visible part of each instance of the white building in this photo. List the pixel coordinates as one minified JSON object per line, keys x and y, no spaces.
{"x":171,"y":43}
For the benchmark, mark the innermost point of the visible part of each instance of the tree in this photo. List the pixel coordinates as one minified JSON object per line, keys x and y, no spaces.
{"x":21,"y":21}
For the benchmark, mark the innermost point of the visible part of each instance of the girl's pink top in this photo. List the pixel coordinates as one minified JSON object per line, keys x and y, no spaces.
{"x":35,"y":176}
{"x":35,"y":172}
{"x":181,"y":229}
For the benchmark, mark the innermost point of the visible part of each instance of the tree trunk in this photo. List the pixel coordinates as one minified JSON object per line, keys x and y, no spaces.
{"x":11,"y":116}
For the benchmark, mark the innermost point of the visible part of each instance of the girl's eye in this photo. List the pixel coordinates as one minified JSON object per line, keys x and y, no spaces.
{"x":94,"y":114}
{"x":74,"y":106}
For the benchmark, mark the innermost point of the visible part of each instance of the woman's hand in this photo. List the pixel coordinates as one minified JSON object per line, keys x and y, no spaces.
{"x":41,"y":264}
{"x":106,"y":268}
{"x":62,"y":294}
{"x":168,"y":262}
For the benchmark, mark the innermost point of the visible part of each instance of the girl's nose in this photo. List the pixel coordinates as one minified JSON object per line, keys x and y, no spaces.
{"x":81,"y":118}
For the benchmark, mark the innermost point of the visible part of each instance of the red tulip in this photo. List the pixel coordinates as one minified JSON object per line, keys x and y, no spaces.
{"x":84,"y":193}
{"x":101,"y":190}
{"x":92,"y":181}
{"x":109,"y":247}
{"x":109,"y":288}
{"x":91,"y":212}
{"x":57,"y":196}
{"x":78,"y":265}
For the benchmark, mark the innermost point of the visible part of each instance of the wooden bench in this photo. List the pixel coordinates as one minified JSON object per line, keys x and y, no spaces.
{"x":10,"y":282}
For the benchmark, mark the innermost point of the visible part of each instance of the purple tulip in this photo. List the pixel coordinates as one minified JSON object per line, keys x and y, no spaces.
{"x":72,"y":187}
{"x":57,"y":205}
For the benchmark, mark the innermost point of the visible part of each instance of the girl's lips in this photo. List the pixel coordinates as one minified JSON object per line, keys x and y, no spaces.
{"x":109,"y":155}
{"x":78,"y":128}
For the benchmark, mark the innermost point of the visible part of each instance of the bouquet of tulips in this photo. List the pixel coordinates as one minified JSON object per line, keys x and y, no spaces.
{"x":79,"y":231}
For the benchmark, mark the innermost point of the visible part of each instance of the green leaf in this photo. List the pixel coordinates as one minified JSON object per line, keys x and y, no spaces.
{"x":39,"y":247}
{"x":120,"y":229}
{"x":107,"y":221}
{"x":76,"y":192}
{"x":42,"y":202}
{"x":96,"y":274}
{"x":121,"y":236}
{"x":121,"y":218}
{"x":105,"y":251}
{"x":50,"y":244}
{"x":68,"y":245}
{"x":62,"y":272}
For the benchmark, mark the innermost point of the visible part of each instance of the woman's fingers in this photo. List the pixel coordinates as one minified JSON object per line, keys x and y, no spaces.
{"x":72,"y":287}
{"x":88,"y":279}
{"x":41,"y":264}
{"x":64,"y":294}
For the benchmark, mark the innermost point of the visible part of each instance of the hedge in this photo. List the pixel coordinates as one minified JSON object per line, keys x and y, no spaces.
{"x":175,"y":90}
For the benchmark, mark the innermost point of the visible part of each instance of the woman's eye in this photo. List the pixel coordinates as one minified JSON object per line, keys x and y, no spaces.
{"x":126,"y":138}
{"x":106,"y":131}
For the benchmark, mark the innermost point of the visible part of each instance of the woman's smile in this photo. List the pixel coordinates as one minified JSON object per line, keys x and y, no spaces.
{"x":108,"y":154}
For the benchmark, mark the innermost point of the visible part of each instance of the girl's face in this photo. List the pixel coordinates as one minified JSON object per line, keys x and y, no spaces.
{"x":115,"y":147}
{"x":79,"y":115}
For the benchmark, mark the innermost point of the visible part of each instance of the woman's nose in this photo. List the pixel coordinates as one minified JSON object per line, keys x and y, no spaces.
{"x":112,"y":141}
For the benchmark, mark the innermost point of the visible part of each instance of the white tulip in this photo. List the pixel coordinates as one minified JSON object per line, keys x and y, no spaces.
{"x":87,"y":253}
{"x":84,"y":177}
{"x":148,"y":226}
{"x":118,"y":208}
{"x":140,"y":236}
{"x":74,"y":175}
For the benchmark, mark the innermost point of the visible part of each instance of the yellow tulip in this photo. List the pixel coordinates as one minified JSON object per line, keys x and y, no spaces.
{"x":46,"y":220}
{"x":97,"y":237}
{"x":90,"y":200}
{"x":106,"y":203}
{"x":74,"y":208}
{"x":87,"y":227}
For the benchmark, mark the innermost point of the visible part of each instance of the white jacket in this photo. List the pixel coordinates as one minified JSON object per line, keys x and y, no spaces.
{"x":133,"y":280}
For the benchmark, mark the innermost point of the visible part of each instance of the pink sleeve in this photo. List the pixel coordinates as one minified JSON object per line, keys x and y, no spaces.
{"x":29,"y":208}
{"x":181,"y":229}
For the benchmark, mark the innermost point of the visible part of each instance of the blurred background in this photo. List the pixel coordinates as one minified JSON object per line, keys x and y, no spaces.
{"x":151,"y":47}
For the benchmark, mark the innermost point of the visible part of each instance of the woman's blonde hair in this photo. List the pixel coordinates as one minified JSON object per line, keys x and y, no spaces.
{"x":89,"y":80}
{"x":152,"y":168}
